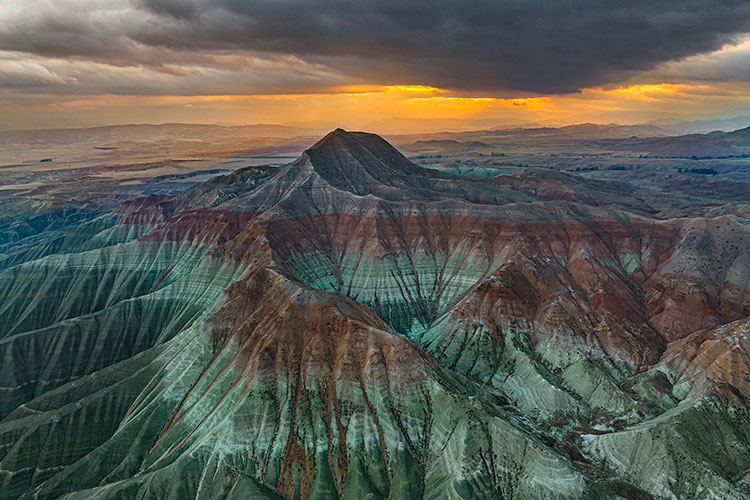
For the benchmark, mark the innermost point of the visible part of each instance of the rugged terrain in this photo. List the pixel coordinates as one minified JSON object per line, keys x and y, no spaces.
{"x":354,"y":325}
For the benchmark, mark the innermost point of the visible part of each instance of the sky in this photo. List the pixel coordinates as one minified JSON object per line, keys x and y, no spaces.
{"x":69,"y":63}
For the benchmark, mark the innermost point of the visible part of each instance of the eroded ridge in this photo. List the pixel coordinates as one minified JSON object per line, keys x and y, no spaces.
{"x":351,"y":324}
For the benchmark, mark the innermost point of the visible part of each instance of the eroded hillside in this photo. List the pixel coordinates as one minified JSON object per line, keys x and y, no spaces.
{"x":352,"y":325}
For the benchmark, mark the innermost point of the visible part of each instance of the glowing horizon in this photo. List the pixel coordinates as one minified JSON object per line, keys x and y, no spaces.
{"x":363,"y":105}
{"x":78,"y":63}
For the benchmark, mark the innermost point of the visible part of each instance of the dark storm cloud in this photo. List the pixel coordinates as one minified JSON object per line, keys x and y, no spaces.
{"x":178,"y":9}
{"x":492,"y":47}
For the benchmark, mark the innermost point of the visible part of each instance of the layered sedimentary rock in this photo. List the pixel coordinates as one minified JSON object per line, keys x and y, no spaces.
{"x":352,"y":325}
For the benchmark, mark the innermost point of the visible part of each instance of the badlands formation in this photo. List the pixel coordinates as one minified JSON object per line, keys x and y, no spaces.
{"x":352,"y":325}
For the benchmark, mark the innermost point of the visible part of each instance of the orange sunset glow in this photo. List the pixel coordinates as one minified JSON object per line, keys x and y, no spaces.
{"x":141,"y":78}
{"x":359,"y":105}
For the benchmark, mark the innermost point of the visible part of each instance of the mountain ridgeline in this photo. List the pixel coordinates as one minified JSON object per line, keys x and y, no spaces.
{"x":352,"y":325}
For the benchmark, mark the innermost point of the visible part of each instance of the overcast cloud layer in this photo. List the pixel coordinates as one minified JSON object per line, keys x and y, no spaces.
{"x":240,"y":46}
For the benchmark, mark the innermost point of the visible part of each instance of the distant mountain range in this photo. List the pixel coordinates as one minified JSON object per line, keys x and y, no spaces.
{"x":712,"y":144}
{"x":650,"y":138}
{"x":705,"y":126}
{"x":398,"y":126}
{"x":148,"y":132}
{"x":593,"y":131}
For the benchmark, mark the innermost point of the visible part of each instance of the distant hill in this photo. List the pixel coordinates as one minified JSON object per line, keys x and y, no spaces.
{"x":592,"y":131}
{"x":147,"y":132}
{"x":422,"y":126}
{"x":699,"y":145}
{"x":614,"y":130}
{"x":705,"y":126}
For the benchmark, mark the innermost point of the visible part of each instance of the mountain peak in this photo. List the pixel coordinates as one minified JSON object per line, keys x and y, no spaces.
{"x":366,"y":164}
{"x":341,"y":138}
{"x":358,"y":162}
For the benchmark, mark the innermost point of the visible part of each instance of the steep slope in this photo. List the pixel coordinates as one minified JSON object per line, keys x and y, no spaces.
{"x":353,"y":325}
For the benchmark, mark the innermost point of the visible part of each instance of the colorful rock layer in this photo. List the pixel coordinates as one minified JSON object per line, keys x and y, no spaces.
{"x":352,"y":325}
